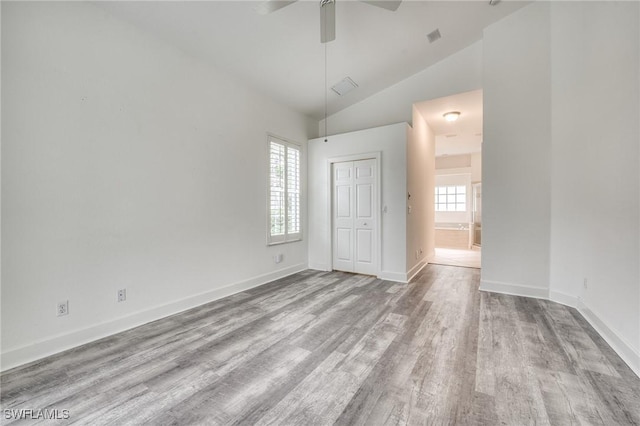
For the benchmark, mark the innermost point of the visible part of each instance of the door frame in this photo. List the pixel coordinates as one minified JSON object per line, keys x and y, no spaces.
{"x":375,"y":155}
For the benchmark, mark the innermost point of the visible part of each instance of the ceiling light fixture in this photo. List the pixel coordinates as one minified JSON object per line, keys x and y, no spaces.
{"x":451,"y":116}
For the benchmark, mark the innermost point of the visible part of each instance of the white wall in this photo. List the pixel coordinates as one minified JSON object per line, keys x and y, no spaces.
{"x":420,"y":184}
{"x":476,"y":167}
{"x":517,"y":152}
{"x":453,"y":161}
{"x":561,"y":158}
{"x":595,"y":54}
{"x":458,"y":73}
{"x":391,"y":142}
{"x":126,"y":164}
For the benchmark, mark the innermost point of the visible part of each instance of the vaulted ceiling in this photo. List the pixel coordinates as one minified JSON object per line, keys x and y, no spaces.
{"x":280,"y":54}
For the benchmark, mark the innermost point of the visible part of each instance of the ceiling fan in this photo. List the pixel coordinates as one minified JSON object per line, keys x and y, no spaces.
{"x":327,"y":13}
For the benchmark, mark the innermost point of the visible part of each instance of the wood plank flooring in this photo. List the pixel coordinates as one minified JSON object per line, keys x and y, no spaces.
{"x":456,"y":257}
{"x":322,"y":348}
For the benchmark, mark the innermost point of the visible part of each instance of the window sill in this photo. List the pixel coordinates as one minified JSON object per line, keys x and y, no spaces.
{"x":278,"y":243}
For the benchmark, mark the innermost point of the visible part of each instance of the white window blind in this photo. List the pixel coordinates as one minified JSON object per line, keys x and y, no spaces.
{"x":284,"y":192}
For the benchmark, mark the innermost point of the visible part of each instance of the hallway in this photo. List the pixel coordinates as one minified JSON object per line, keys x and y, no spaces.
{"x":457,"y":257}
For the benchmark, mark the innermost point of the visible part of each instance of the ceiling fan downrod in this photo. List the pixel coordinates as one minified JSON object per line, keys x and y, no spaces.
{"x":327,"y":20}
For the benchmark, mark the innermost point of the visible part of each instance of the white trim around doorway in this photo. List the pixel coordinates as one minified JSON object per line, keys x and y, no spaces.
{"x":377,"y":155}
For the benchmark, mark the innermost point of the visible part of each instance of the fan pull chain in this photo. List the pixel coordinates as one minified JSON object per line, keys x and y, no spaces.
{"x":326,"y":89}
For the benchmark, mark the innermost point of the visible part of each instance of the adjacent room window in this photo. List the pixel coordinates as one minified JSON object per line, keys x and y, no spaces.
{"x":451,"y":198}
{"x":284,"y":192}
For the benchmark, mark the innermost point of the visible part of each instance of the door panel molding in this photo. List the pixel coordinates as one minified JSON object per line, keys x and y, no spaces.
{"x":363,"y":231}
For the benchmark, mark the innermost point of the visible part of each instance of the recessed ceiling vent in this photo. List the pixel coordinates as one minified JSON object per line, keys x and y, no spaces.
{"x":434,"y":35}
{"x":344,"y":87}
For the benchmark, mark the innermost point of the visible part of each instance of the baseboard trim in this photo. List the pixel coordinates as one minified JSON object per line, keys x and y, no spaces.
{"x":319,"y":267}
{"x":629,"y":355}
{"x":416,"y":270}
{"x":35,"y":351}
{"x":514,"y":289}
{"x":383,"y":275}
{"x":563,"y":298}
{"x":393,"y":276}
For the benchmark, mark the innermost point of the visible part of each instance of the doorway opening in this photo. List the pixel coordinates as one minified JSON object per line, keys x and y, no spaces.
{"x":458,"y":177}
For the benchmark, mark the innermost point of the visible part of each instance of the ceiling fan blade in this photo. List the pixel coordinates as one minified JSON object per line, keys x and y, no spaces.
{"x":268,"y":6}
{"x":385,"y":4}
{"x":327,"y":21}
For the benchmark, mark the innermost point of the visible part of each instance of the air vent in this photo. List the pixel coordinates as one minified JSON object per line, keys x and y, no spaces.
{"x":434,"y":35}
{"x":344,"y":87}
{"x":450,"y":136}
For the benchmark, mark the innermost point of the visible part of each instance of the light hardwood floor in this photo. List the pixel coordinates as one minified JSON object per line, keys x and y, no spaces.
{"x":456,"y":257}
{"x":336,"y":348}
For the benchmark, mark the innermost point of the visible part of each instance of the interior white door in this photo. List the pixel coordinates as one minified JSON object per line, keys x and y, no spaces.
{"x":355,"y":217}
{"x":343,"y":216}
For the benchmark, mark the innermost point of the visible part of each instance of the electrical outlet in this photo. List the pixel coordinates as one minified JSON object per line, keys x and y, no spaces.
{"x":278,"y":258}
{"x":122,"y":295}
{"x":584,"y":283}
{"x":417,"y":254}
{"x":63,"y":308}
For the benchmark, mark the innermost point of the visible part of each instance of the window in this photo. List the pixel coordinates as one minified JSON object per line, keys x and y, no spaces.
{"x":284,"y":192}
{"x":451,"y":198}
